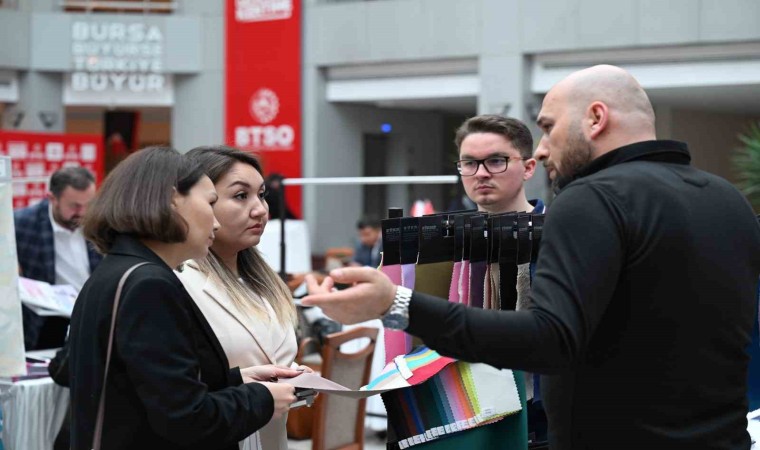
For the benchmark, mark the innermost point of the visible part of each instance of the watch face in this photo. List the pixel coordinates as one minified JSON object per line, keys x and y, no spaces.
{"x":395,"y":321}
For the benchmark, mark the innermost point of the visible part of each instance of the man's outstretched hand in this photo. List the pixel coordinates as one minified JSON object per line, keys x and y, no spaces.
{"x":369,"y":298}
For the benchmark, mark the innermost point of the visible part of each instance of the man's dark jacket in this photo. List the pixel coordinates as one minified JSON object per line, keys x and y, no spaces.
{"x":643,"y":306}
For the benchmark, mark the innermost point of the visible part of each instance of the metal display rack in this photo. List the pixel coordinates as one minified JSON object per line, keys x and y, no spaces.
{"x":354,"y":181}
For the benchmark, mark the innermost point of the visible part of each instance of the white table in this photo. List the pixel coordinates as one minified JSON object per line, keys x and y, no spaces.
{"x":753,"y":427}
{"x":33,"y":411}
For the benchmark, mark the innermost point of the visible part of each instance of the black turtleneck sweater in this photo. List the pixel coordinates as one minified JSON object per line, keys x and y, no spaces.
{"x":643,"y":303}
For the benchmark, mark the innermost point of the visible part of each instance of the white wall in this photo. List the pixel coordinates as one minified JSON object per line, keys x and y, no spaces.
{"x":332,"y":212}
{"x":198,"y":113}
{"x":355,"y":32}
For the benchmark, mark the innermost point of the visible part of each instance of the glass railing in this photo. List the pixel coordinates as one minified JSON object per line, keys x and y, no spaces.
{"x":120,"y":6}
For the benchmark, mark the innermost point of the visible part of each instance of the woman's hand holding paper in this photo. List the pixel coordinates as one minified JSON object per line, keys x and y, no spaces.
{"x":269,"y":372}
{"x":283,"y":395}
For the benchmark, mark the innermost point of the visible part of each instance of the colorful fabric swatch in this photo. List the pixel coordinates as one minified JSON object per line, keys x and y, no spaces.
{"x":494,"y":300}
{"x":509,"y":433}
{"x":393,"y":272}
{"x":407,"y":275}
{"x":434,"y":278}
{"x":477,"y":277}
{"x":462,"y":396}
{"x":464,"y":284}
{"x":408,"y":370}
{"x":487,"y":288}
{"x":523,"y":286}
{"x":454,"y":291}
{"x":407,"y":280}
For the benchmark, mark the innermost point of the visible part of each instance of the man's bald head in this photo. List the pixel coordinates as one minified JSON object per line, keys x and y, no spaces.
{"x":589,"y":113}
{"x":629,"y":106}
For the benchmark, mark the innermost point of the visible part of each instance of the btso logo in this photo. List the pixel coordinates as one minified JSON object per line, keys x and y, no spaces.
{"x":264,"y":107}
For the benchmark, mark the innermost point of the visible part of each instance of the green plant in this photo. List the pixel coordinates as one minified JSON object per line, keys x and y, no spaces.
{"x":747,"y":164}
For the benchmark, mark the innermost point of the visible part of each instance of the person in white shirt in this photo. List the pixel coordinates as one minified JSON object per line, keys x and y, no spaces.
{"x":51,"y":248}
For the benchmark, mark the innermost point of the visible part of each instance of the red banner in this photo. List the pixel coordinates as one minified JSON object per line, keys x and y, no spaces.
{"x":263,"y":85}
{"x":36,"y":156}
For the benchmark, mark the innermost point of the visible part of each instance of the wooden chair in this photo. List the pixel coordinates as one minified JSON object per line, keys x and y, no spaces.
{"x":339,"y":421}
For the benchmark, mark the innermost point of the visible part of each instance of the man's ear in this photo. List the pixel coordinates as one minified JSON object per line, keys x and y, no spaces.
{"x":50,"y":196}
{"x":530,"y":168}
{"x":597,"y":117}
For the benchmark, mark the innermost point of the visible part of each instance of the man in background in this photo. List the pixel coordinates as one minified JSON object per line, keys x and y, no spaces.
{"x":51,"y":248}
{"x":274,"y":190}
{"x":370,"y":245}
{"x":495,"y":161}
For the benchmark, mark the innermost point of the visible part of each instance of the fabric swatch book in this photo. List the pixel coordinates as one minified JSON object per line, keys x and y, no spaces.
{"x":429,"y":396}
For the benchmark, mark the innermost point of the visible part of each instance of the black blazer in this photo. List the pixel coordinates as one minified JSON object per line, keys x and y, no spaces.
{"x":170,"y":385}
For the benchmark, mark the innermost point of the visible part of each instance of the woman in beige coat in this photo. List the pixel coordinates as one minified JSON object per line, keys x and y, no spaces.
{"x":249,"y":308}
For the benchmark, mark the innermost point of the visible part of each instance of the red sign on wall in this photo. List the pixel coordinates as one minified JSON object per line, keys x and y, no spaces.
{"x":263,"y":85}
{"x":38,"y":155}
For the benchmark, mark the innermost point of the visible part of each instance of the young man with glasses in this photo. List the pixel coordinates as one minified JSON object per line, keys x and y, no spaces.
{"x":495,"y":161}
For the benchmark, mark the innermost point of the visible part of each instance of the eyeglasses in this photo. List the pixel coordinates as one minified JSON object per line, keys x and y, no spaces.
{"x":494,"y":164}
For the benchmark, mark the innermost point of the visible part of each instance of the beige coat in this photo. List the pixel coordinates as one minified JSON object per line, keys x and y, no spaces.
{"x":246,"y":340}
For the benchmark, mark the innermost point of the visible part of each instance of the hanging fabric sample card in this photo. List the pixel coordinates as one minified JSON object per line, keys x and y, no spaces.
{"x":508,"y":261}
{"x":396,"y":342}
{"x":409,"y":253}
{"x":456,"y":276}
{"x":435,"y":263}
{"x":524,"y":242}
{"x":391,"y":261}
{"x":459,"y":255}
{"x":524,"y":253}
{"x":409,"y":246}
{"x":478,"y":261}
{"x":455,"y":227}
{"x":494,"y":241}
{"x":536,"y":230}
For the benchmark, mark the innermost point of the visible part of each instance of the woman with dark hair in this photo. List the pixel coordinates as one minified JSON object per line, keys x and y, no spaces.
{"x":248,"y":306}
{"x":168,"y":383}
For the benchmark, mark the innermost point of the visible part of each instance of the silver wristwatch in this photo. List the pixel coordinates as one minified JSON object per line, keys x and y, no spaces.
{"x":397,"y":317}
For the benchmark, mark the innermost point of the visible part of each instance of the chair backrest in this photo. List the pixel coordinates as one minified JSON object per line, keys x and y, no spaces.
{"x":339,"y":421}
